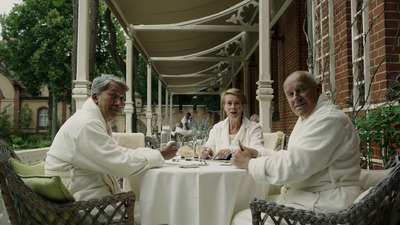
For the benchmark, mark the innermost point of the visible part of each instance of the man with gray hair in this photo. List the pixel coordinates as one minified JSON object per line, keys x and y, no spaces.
{"x":84,"y":153}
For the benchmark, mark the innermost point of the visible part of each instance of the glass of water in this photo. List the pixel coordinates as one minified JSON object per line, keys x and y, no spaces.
{"x":189,"y":153}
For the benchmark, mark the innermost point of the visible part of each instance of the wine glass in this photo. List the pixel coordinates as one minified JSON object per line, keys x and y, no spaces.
{"x":202,"y":155}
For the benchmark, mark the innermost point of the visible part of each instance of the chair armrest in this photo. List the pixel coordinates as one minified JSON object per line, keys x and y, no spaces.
{"x":118,"y":208}
{"x":376,"y":207}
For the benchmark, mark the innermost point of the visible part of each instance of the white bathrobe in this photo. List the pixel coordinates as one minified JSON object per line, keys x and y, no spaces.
{"x":87,"y":158}
{"x":250,"y":135}
{"x":321,"y":168}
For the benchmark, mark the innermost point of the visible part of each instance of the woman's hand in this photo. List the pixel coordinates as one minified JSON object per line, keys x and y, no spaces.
{"x":169,"y":151}
{"x":222,"y":153}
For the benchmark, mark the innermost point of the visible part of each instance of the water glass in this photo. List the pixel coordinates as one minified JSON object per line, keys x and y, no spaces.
{"x":189,"y":154}
{"x":177,"y":156}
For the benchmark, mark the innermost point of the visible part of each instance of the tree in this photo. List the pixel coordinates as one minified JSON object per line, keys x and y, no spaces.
{"x":4,"y":123}
{"x":115,"y":40}
{"x":212,"y":102}
{"x":37,"y":47}
{"x":25,"y":116}
{"x":141,"y":83}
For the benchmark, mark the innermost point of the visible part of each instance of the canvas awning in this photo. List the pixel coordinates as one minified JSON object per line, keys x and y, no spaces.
{"x":192,"y":46}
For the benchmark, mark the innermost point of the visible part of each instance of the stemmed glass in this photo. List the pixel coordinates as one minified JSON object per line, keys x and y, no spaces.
{"x":202,"y":155}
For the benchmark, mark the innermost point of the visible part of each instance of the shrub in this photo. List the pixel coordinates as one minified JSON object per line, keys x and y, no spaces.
{"x":5,"y":126}
{"x":379,"y":128}
{"x":25,"y":116}
{"x":32,"y":141}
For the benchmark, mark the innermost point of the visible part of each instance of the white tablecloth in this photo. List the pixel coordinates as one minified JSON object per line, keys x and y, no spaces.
{"x":208,"y":195}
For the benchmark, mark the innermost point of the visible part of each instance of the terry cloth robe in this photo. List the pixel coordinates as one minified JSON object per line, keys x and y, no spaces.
{"x":250,"y":135}
{"x":320,"y":170}
{"x":87,"y":158}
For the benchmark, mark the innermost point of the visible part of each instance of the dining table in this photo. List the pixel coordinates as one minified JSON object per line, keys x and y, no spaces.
{"x":187,"y":193}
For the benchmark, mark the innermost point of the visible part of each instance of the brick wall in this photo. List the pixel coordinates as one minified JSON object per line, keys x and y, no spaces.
{"x":289,"y":53}
{"x":342,"y":50}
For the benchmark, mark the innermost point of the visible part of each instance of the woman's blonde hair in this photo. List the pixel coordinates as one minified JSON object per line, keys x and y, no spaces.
{"x":236,"y":92}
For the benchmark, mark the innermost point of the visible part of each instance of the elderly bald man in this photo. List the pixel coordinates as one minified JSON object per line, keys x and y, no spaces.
{"x":321,"y":168}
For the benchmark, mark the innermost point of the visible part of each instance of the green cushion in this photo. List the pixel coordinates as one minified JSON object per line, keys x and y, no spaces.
{"x":49,"y":187}
{"x":27,"y":169}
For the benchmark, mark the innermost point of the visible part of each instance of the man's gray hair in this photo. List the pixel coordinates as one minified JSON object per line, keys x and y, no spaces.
{"x":100,"y":83}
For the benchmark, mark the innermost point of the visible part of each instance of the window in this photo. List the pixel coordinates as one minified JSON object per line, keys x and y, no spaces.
{"x":43,"y":117}
{"x":360,"y":51}
{"x":323,"y":44}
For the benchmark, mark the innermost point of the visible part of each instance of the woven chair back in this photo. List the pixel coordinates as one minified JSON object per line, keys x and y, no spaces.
{"x":380,"y":206}
{"x":25,"y":207}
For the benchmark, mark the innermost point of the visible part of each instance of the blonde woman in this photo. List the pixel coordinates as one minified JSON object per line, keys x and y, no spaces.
{"x":225,"y":136}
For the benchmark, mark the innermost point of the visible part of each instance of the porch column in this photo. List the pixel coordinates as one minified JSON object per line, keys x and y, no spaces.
{"x":246,"y":87}
{"x":81,"y":90}
{"x":159,"y":117}
{"x":166,"y":107}
{"x":128,"y":109}
{"x":148,"y":111}
{"x":170,"y":112}
{"x":265,"y":91}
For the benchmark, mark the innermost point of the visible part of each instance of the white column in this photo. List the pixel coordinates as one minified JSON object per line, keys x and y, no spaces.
{"x":81,"y":90}
{"x":128,"y":103}
{"x":166,"y":107}
{"x":148,"y":111}
{"x":246,"y":86}
{"x":265,"y":91}
{"x":170,"y":112}
{"x":159,"y":117}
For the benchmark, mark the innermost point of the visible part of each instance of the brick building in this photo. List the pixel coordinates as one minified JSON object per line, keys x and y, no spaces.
{"x":13,"y":98}
{"x":353,"y":46}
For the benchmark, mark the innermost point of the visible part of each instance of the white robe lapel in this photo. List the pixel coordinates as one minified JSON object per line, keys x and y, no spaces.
{"x":239,"y":136}
{"x":225,"y":135}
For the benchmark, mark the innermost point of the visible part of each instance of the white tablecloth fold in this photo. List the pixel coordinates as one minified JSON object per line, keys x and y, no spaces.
{"x":208,"y":195}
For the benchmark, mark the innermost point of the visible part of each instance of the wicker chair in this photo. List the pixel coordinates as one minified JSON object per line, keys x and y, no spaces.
{"x":26,"y":207}
{"x":380,"y":206}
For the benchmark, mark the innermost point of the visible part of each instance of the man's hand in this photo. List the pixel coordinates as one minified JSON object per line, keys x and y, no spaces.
{"x":241,"y":157}
{"x":169,"y":151}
